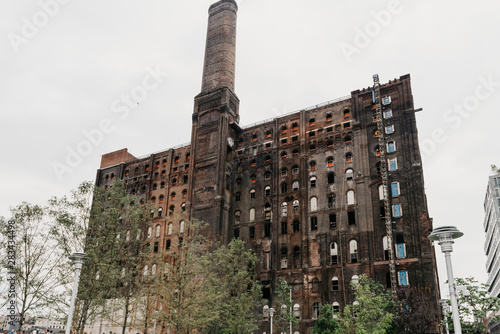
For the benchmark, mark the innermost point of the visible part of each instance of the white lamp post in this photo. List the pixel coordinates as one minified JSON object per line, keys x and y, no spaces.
{"x":445,"y":235}
{"x":77,"y":259}
{"x":444,"y":305}
{"x":155,"y":314}
{"x":271,"y":313}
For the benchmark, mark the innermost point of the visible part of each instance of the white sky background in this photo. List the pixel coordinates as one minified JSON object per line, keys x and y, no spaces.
{"x":64,"y":79}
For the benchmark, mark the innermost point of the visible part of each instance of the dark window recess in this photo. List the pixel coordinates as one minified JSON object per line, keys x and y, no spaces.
{"x":168,"y":245}
{"x":382,"y":212}
{"x":266,"y":293}
{"x":296,"y":226}
{"x":333,"y":221}
{"x":284,"y":228}
{"x":236,"y":233}
{"x":155,"y":249}
{"x":314,"y":223}
{"x":267,"y":230}
{"x":252,"y":232}
{"x":351,"y":218}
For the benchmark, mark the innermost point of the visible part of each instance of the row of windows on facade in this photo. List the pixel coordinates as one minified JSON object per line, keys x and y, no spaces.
{"x":146,"y":169}
{"x":295,"y":127}
{"x":313,"y":203}
{"x":169,"y":229}
{"x":173,"y":196}
{"x":171,"y":209}
{"x":295,"y":184}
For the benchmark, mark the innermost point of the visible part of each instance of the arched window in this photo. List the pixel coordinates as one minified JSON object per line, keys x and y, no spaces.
{"x":295,"y":126}
{"x":328,"y":117}
{"x":237,"y":217}
{"x":153,"y":269}
{"x":350,"y":197}
{"x":158,"y":229}
{"x":171,"y":210}
{"x":315,"y":311}
{"x":150,"y":232}
{"x":155,"y":186}
{"x":331,"y":201}
{"x":349,"y":174}
{"x":252,"y":193}
{"x":348,"y":157}
{"x":329,"y":161}
{"x":267,"y":191}
{"x":386,"y":248}
{"x":284,"y":171}
{"x":314,"y":204}
{"x":312,"y":121}
{"x":267,"y":175}
{"x":347,"y":139}
{"x":353,"y":251}
{"x":381,"y":192}
{"x":334,"y":259}
{"x":295,"y":151}
{"x":127,"y":238}
{"x":183,"y":207}
{"x":295,"y":169}
{"x":347,"y":113}
{"x":284,"y":209}
{"x":296,"y":205}
{"x":267,"y":211}
{"x":283,"y":155}
{"x":153,"y":199}
{"x":268,"y":159}
{"x":265,"y":311}
{"x":336,"y":307}
{"x":146,"y":269}
{"x":169,"y":229}
{"x":296,"y":257}
{"x":181,"y":226}
{"x":283,"y":129}
{"x":312,"y":147}
{"x":253,"y":178}
{"x":172,"y":196}
{"x":284,"y":187}
{"x":162,"y":184}
{"x":312,"y":181}
{"x":284,"y":258}
{"x":312,"y":165}
{"x":253,"y":162}
{"x":335,"y":284}
{"x":331,"y":178}
{"x":400,"y":246}
{"x":315,"y":285}
{"x":237,"y":196}
{"x":296,"y":310}
{"x":161,"y":198}
{"x":160,"y":212}
{"x":252,"y":215}
{"x":295,"y":185}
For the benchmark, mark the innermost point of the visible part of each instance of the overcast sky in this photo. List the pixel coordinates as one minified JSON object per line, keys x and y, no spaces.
{"x":66,"y":66}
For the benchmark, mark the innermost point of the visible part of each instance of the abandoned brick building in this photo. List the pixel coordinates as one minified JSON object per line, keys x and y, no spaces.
{"x":304,"y":190}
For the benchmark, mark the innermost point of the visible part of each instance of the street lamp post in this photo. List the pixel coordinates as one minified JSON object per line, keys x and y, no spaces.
{"x":445,"y":235}
{"x":444,"y":306}
{"x":155,"y":314}
{"x":271,"y":313}
{"x":77,"y":259}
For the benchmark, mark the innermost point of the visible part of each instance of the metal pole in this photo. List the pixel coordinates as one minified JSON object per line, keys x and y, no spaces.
{"x":154,"y":327}
{"x":453,"y":297}
{"x":291,"y":314}
{"x":78,"y":261}
{"x":271,"y":312}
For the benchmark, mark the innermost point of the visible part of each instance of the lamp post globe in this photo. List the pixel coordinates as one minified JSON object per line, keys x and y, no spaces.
{"x":444,"y":236}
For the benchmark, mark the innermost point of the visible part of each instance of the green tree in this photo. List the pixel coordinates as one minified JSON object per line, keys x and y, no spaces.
{"x":327,"y":322}
{"x":188,"y":303}
{"x":41,"y":269}
{"x":372,"y":311}
{"x":231,"y":269}
{"x":283,"y":304}
{"x":114,"y":248}
{"x":474,"y":304}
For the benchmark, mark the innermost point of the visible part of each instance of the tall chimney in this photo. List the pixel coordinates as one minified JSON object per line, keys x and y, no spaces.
{"x":220,"y":49}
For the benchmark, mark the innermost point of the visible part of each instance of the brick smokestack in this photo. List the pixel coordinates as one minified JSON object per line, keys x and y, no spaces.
{"x":220,"y":49}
